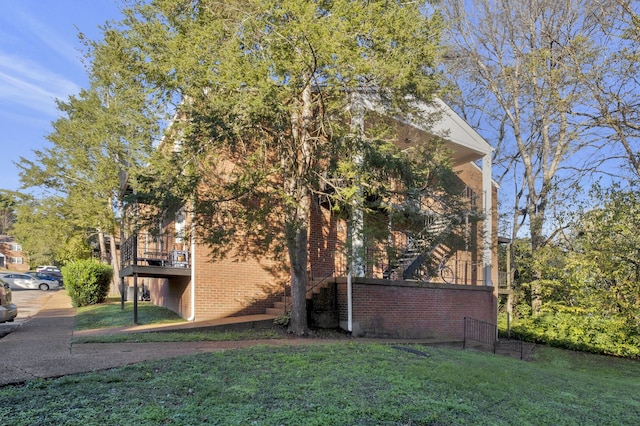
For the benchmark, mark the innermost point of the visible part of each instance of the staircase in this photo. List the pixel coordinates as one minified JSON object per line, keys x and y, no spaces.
{"x":419,"y":248}
{"x":321,"y":304}
{"x":280,"y":307}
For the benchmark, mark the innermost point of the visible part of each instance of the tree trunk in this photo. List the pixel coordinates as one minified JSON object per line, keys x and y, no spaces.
{"x":297,"y":225}
{"x":297,"y":245}
{"x":115,"y":264}
{"x":536,"y":244}
{"x":103,"y":247}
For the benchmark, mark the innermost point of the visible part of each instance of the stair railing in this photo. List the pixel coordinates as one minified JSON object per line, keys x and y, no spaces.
{"x":487,"y":334}
{"x":315,"y":282}
{"x":480,"y":331}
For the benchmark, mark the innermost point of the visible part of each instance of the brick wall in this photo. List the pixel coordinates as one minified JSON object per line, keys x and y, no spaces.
{"x":173,"y":293}
{"x":10,"y":257}
{"x":327,"y":234}
{"x":404,"y":309}
{"x":234,"y":287}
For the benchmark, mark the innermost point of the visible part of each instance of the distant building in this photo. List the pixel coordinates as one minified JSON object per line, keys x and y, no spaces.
{"x":12,"y":258}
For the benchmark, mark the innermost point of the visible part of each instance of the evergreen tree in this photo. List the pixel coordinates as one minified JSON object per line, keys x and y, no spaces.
{"x":270,"y":88}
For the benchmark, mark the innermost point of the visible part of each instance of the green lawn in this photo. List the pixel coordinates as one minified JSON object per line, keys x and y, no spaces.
{"x":344,"y":383}
{"x":339,"y":384}
{"x":111,"y":315}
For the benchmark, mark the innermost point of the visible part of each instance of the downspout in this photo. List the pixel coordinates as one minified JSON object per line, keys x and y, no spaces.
{"x":356,"y":248}
{"x":192,"y":317}
{"x":357,"y":262}
{"x":350,"y":265}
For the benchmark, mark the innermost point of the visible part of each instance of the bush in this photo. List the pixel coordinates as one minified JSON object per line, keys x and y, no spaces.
{"x":583,"y":331}
{"x":87,"y":281}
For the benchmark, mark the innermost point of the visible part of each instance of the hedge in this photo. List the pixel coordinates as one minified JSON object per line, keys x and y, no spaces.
{"x":588,"y":332}
{"x":87,"y":281}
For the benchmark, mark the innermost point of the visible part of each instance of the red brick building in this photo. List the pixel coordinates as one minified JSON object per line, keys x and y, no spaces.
{"x":377,"y":297}
{"x":12,"y":258}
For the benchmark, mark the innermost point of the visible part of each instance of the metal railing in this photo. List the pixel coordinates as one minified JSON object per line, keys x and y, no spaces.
{"x":487,"y":334}
{"x":151,"y":250}
{"x":479,"y":331}
{"x":511,"y":346}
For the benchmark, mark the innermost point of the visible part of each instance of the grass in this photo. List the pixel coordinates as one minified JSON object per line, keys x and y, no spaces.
{"x":181,"y":336}
{"x":341,"y":383}
{"x":346,"y":383}
{"x":111,"y":315}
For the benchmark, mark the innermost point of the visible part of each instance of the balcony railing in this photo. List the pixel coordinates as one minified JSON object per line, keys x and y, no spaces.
{"x":145,"y":249}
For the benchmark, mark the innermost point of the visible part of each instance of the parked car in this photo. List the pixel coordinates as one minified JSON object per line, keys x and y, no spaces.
{"x":47,"y":268}
{"x":24,"y":281}
{"x":42,"y":276}
{"x":51,"y":271}
{"x":8,"y":310}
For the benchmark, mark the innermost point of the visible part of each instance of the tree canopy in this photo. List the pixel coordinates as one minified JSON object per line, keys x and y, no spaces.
{"x":272,"y":88}
{"x":543,"y":75}
{"x":7,"y":212}
{"x":103,"y":134}
{"x":590,"y":280}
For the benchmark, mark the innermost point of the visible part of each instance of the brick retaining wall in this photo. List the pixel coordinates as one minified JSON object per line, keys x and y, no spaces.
{"x":406,"y":309}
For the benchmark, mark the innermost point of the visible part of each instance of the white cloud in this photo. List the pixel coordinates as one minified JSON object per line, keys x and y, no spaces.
{"x":28,"y":84}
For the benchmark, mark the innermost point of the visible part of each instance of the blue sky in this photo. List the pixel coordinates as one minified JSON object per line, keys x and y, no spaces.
{"x":40,"y":60}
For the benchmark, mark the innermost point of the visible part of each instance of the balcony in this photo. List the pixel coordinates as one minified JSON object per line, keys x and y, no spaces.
{"x":149,"y":255}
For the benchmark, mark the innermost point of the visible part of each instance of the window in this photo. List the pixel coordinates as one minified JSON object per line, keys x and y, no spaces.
{"x":15,"y":247}
{"x":3,"y":261}
{"x":15,"y":260}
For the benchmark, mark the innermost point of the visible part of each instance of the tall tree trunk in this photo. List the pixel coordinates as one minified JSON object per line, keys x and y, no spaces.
{"x":297,"y":244}
{"x":297,"y":225}
{"x":115,"y":264}
{"x":103,"y":247}
{"x":537,"y":242}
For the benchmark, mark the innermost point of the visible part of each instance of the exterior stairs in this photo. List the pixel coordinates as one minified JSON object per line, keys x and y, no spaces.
{"x":322,"y":309}
{"x":280,"y":307}
{"x":419,"y":248}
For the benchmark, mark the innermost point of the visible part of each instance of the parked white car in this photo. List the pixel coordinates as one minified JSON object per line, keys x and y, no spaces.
{"x":47,"y":268}
{"x":27,"y":282}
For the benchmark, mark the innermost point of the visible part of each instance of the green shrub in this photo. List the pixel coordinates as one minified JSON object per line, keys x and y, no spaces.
{"x":584,"y":331}
{"x":87,"y":281}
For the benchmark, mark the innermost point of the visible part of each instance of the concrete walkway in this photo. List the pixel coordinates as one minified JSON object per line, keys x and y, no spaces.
{"x":42,"y":346}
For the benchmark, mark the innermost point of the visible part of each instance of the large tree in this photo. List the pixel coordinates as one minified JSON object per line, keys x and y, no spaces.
{"x":611,"y":78}
{"x":48,"y":232}
{"x":104,"y":133}
{"x":520,"y":65}
{"x":7,"y":211}
{"x":271,"y":89}
{"x":604,"y":272}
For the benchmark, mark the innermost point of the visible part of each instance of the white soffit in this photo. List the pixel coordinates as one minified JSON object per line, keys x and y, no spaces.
{"x":466,"y":144}
{"x":459,"y":132}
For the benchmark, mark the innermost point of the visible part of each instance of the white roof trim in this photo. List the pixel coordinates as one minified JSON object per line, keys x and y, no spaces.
{"x":459,"y":131}
{"x":464,"y":140}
